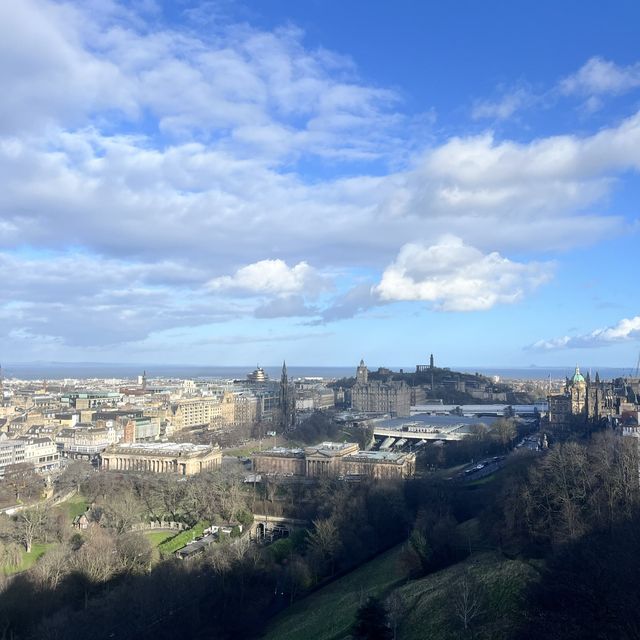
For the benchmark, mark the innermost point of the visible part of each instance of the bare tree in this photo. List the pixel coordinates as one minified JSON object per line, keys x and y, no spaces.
{"x":134,"y":552}
{"x":324,"y":542}
{"x":31,"y":525}
{"x":52,"y":567}
{"x":504,"y":430}
{"x":395,"y":607}
{"x":96,"y":558}
{"x":467,"y":601}
{"x":23,"y":482}
{"x":74,"y":475}
{"x":122,"y":511}
{"x":10,"y":554}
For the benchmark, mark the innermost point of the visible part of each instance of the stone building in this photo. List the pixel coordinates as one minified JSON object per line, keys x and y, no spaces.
{"x":393,"y":398}
{"x":590,"y":399}
{"x":195,"y":412}
{"x":167,"y":457}
{"x":41,"y":453}
{"x":281,"y":461}
{"x":334,"y":459}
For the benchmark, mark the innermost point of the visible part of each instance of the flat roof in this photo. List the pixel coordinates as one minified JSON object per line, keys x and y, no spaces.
{"x":160,"y":447}
{"x":378,"y":456}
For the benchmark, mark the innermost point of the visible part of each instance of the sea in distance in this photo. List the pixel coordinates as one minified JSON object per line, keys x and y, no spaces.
{"x":62,"y":370}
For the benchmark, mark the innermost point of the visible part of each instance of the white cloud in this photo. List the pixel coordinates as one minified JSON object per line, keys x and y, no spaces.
{"x":272,"y":277}
{"x":152,"y":157}
{"x":503,"y":108}
{"x":625,"y":330}
{"x":599,"y":76}
{"x":456,"y":277}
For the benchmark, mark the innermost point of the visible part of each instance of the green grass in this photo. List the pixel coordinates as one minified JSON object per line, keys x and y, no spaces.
{"x":74,"y":506}
{"x":429,"y":603}
{"x":485,"y":480}
{"x":329,"y":612}
{"x":156,"y":538}
{"x":177,"y":542}
{"x":28,"y":559}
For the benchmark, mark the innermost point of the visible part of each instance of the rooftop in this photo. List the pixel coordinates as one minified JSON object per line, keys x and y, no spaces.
{"x":165,"y":447}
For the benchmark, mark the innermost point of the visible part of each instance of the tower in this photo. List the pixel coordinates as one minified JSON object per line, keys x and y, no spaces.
{"x":144,"y":380}
{"x":287,"y":402}
{"x":362,"y":373}
{"x":1,"y":388}
{"x":431,"y":367}
{"x":578,"y":392}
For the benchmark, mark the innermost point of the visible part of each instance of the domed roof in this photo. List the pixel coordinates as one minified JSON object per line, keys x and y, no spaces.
{"x":577,"y":376}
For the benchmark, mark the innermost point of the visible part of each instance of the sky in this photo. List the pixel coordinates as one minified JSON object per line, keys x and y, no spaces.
{"x":220,"y":183}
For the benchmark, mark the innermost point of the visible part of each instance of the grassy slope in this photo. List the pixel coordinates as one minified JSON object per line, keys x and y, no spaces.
{"x":329,"y":612}
{"x":28,"y":559}
{"x":75,"y":506}
{"x":177,"y":542}
{"x":156,"y":538}
{"x":429,"y":602}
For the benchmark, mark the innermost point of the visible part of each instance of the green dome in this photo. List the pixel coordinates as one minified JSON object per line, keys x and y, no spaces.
{"x":577,"y":376}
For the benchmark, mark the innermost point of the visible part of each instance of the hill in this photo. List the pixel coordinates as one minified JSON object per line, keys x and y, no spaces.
{"x":329,"y":612}
{"x":430,"y":606}
{"x":426,"y":606}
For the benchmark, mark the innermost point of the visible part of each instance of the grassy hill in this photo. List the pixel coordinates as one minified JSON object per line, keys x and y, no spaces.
{"x":429,"y":604}
{"x":329,"y":612}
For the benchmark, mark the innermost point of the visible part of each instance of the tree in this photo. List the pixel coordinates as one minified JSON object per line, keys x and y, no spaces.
{"x":371,"y":622}
{"x":122,"y":511}
{"x":467,"y":601}
{"x":324,"y":542}
{"x":31,"y":525}
{"x":74,"y":474}
{"x":52,"y":567}
{"x":504,"y":430}
{"x":395,"y":607}
{"x":134,"y":551}
{"x":96,"y":558}
{"x":23,"y":482}
{"x":10,"y":554}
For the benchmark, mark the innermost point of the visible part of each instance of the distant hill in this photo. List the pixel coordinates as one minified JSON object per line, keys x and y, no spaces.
{"x":452,"y":387}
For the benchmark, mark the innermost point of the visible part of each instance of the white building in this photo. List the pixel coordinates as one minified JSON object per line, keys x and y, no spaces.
{"x":42,"y":453}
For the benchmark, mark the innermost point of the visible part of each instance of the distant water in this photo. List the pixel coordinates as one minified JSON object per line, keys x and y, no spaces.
{"x":58,"y":371}
{"x":541,"y":373}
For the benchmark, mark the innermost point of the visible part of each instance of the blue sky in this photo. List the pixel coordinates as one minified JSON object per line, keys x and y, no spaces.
{"x":235,"y":182}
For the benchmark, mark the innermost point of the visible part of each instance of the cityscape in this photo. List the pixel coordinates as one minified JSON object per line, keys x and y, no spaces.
{"x":318,"y":320}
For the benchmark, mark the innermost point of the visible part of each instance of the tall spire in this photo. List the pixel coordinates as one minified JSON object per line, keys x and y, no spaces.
{"x":287,"y":402}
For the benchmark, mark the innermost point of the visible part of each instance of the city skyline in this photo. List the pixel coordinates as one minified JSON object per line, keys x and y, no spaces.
{"x":214,"y":183}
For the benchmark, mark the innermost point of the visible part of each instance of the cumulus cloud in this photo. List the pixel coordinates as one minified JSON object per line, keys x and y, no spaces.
{"x":456,"y":277}
{"x":599,"y":77}
{"x":267,"y":277}
{"x":625,"y":330}
{"x":139,"y":159}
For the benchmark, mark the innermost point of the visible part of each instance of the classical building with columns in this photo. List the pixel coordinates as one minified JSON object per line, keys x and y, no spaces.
{"x":335,"y":459}
{"x":182,"y":458}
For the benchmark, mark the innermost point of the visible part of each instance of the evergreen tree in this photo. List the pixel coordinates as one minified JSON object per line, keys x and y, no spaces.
{"x":371,"y":622}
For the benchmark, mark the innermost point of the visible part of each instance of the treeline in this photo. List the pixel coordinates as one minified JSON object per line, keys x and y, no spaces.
{"x":583,"y":504}
{"x":108,"y":578}
{"x":578,"y":509}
